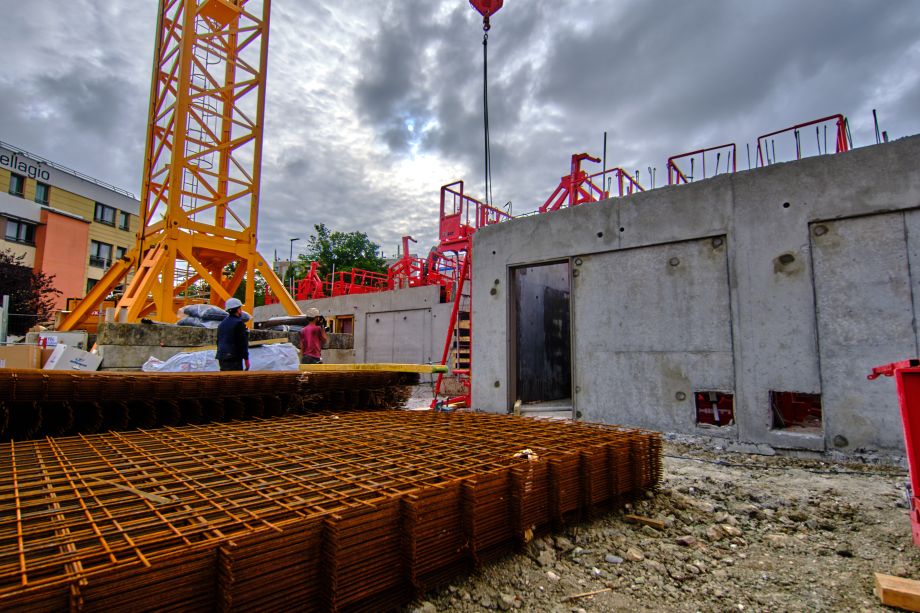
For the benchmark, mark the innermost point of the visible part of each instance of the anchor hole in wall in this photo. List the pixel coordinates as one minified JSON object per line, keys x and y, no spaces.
{"x":796,"y":411}
{"x":786,"y":259}
{"x":714,"y":408}
{"x":786,"y":205}
{"x":622,"y":229}
{"x":600,"y":235}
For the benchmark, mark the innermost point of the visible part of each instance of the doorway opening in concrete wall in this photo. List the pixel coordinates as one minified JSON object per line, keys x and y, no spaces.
{"x":796,"y":411}
{"x":542,"y":355}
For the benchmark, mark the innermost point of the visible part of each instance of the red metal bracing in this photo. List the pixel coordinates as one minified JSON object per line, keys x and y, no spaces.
{"x":578,"y":187}
{"x":842,"y":139}
{"x":356,"y":281}
{"x":676,"y":176}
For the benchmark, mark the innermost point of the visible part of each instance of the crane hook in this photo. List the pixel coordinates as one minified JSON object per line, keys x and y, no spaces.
{"x":486,"y":8}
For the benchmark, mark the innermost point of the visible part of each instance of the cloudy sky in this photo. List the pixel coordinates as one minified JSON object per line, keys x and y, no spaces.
{"x":373,"y":105}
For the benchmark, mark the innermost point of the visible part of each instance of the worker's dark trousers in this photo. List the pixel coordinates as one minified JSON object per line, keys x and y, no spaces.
{"x":309,"y":359}
{"x":234,"y":364}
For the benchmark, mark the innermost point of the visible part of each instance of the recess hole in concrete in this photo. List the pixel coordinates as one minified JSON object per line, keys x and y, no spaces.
{"x":786,"y":259}
{"x":714,"y":408}
{"x":622,"y":229}
{"x":795,"y":410}
{"x":786,"y":205}
{"x":600,"y":235}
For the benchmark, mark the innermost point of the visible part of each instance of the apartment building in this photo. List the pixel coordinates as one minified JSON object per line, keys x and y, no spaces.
{"x":63,"y":222}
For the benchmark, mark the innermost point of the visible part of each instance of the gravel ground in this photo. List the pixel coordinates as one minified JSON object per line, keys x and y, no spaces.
{"x":742,"y":533}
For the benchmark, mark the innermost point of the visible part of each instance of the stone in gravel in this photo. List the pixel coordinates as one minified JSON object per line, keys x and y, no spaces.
{"x":596,"y":572}
{"x":649,"y":531}
{"x":776,"y":540}
{"x":656,"y":566}
{"x":612,"y":559}
{"x":425,"y":607}
{"x":546,"y":557}
{"x":466,"y":596}
{"x":577,"y":551}
{"x":714,"y":533}
{"x":687,"y":540}
{"x":692,"y":569}
{"x":505,"y":601}
{"x":634,"y":554}
{"x":552,"y":576}
{"x":563,"y":544}
{"x":730,"y":530}
{"x":486,"y":602}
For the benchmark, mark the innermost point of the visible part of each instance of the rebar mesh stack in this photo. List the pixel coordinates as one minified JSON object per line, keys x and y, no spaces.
{"x":355,"y":510}
{"x":37,"y":403}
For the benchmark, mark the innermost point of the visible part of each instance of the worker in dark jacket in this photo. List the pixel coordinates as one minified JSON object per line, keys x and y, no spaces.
{"x":233,"y":339}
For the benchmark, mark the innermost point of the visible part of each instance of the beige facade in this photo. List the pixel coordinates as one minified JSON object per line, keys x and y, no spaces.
{"x":29,"y":184}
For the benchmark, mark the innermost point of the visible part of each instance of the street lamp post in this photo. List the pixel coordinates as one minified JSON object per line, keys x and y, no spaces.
{"x":291,"y":264}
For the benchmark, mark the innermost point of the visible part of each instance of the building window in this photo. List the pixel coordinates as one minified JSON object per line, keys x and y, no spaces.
{"x":120,"y":252}
{"x":20,"y":232}
{"x":104,"y":214}
{"x":90,"y":283}
{"x":17,"y":184}
{"x":100,"y":254}
{"x":42,"y":192}
{"x":124,"y":220}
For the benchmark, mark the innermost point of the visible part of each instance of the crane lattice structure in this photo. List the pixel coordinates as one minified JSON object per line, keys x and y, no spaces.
{"x":200,"y":191}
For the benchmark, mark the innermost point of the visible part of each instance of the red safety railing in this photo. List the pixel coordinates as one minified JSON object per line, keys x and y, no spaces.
{"x":676,"y":176}
{"x":842,"y":139}
{"x":355,"y":281}
{"x":461,"y":215}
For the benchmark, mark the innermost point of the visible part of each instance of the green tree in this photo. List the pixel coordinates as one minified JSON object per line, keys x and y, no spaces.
{"x":32,"y":293}
{"x":341,"y":251}
{"x":260,"y":285}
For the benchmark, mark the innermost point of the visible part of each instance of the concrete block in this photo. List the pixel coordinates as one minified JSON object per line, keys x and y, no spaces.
{"x":168,"y":336}
{"x":134,"y":356}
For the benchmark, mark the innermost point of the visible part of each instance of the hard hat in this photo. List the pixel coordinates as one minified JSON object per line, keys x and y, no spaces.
{"x":233,"y":303}
{"x":312,"y":312}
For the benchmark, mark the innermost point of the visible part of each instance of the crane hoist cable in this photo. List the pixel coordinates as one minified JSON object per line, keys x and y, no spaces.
{"x":486,"y":8}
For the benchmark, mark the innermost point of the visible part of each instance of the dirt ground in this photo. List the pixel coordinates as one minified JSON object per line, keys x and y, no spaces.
{"x":742,"y":533}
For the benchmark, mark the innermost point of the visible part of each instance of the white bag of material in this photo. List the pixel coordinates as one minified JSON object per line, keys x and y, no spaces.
{"x":280,"y":356}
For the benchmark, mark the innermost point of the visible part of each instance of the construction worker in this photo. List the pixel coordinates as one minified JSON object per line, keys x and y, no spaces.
{"x":233,"y":339}
{"x":312,"y":339}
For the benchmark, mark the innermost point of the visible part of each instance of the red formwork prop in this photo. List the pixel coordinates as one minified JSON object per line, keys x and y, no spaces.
{"x":907,"y":377}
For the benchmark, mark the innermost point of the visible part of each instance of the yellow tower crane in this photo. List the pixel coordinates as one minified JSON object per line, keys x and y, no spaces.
{"x":202,"y":166}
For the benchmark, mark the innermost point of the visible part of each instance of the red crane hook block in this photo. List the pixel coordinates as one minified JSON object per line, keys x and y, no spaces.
{"x":486,"y":8}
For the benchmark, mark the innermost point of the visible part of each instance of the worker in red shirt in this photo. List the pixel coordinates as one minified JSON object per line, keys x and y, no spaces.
{"x":312,"y":339}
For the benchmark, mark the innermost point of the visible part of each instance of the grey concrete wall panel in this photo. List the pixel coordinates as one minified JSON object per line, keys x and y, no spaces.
{"x":432,"y":333}
{"x":651,"y":326}
{"x":865,"y":317}
{"x":398,"y":336}
{"x":765,"y":216}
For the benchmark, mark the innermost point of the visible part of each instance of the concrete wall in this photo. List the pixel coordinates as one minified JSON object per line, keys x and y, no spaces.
{"x":404,"y":326}
{"x":796,"y":277}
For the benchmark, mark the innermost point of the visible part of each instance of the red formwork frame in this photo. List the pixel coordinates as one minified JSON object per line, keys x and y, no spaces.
{"x":676,"y":176}
{"x":907,"y":378}
{"x":460,"y":216}
{"x":578,"y":187}
{"x":842,"y":140}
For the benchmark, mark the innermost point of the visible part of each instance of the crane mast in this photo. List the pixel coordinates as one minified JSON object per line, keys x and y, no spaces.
{"x":202,"y":166}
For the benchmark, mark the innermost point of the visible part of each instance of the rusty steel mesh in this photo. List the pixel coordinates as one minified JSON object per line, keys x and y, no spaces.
{"x":38,"y":403}
{"x":344,"y":511}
